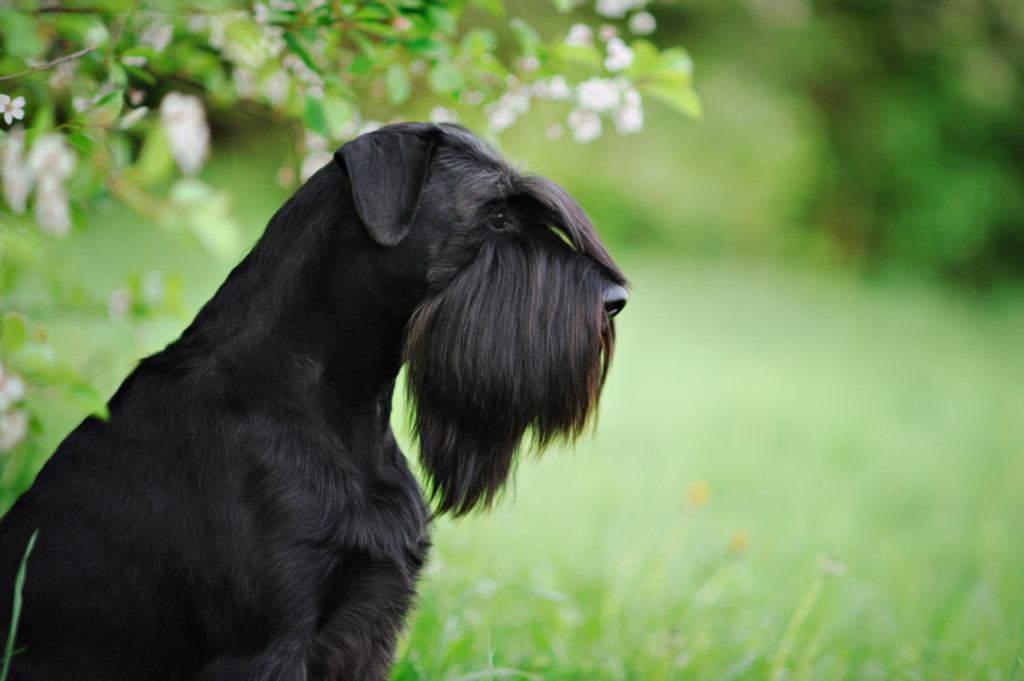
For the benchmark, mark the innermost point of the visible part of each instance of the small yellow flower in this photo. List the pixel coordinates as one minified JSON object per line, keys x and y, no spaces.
{"x":739,"y":540}
{"x":699,"y":493}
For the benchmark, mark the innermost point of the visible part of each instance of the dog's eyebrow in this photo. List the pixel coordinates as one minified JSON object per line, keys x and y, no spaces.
{"x":567,"y":215}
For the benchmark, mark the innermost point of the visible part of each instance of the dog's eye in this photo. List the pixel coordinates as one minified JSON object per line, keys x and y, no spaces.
{"x":499,"y":220}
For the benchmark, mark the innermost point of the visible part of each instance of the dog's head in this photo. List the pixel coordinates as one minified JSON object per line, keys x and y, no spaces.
{"x":512,"y":329}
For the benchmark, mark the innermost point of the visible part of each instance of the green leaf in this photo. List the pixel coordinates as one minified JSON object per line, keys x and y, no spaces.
{"x":479,"y":41}
{"x":528,"y":38}
{"x":13,"y":334}
{"x":244,"y":44}
{"x":20,"y":37}
{"x":370,"y":14}
{"x":578,"y":54}
{"x":443,"y":20}
{"x":396,"y":84}
{"x":493,"y":6}
{"x":154,"y":161}
{"x":36,"y":360}
{"x":87,"y":397}
{"x":677,"y":59}
{"x":646,"y":60}
{"x":295,"y":46}
{"x":313,"y":116}
{"x":106,"y":110}
{"x":338,"y":111}
{"x":189,"y":190}
{"x":365,"y":45}
{"x":361,"y":65}
{"x":676,"y":91}
{"x":446,"y":78}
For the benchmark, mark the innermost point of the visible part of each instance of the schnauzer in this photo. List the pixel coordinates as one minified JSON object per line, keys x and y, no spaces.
{"x":245,"y":512}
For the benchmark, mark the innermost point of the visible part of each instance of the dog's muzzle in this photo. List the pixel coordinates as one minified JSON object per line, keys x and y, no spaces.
{"x":615,"y":298}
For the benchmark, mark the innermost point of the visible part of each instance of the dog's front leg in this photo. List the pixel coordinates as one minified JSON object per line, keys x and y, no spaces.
{"x":283,"y":662}
{"x":356,"y":641}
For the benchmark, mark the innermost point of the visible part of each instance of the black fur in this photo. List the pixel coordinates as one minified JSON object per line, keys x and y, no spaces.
{"x":245,"y":512}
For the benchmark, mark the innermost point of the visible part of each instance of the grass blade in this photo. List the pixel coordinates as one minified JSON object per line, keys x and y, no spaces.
{"x":19,"y":582}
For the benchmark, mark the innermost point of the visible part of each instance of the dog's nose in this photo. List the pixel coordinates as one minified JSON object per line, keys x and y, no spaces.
{"x":615,"y":299}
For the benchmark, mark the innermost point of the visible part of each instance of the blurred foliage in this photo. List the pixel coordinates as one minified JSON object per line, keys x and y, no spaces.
{"x":913,"y":109}
{"x":112,"y":100}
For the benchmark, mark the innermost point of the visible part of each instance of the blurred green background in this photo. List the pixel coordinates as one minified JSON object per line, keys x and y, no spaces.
{"x":809,"y":461}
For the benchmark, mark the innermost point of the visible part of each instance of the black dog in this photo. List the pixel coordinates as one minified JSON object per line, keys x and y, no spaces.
{"x":245,"y":512}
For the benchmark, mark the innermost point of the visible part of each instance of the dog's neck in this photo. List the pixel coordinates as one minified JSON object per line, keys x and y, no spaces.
{"x":287,"y":319}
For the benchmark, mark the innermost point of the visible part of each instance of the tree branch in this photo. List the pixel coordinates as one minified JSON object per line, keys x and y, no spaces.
{"x":49,"y":65}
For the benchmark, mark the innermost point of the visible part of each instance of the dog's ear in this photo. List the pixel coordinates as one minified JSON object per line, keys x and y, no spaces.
{"x":387,"y":170}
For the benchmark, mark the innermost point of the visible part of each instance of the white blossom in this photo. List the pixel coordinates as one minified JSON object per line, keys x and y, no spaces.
{"x":313,"y":141}
{"x":518,"y":100}
{"x":119,"y":302}
{"x":136,"y":97}
{"x":314,"y":162}
{"x":630,"y":116}
{"x":369,"y":126}
{"x":133,"y":117}
{"x":439,"y":114}
{"x":620,"y":55}
{"x":499,"y":117}
{"x":51,"y":161}
{"x":283,"y":5}
{"x":275,"y":88}
{"x":301,"y":71}
{"x":272,"y":41}
{"x":51,"y":158}
{"x":52,"y":208}
{"x":555,"y":88}
{"x":12,"y":388}
{"x":188,"y":134}
{"x":529,"y":64}
{"x":138,"y":62}
{"x":13,"y":429}
{"x":585,"y":125}
{"x":616,"y":9}
{"x":607,"y":32}
{"x":474,"y":97}
{"x":642,"y":23}
{"x":12,"y":109}
{"x":580,"y":35}
{"x":350,"y":127}
{"x":245,"y":82}
{"x":554,"y":131}
{"x":63,"y":74}
{"x":157,"y":34}
{"x":152,"y":287}
{"x":598,"y":94}
{"x":17,"y":180}
{"x":218,"y":25}
{"x":260,"y":13}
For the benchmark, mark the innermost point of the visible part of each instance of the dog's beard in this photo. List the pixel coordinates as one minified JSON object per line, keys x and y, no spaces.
{"x":518,"y":341}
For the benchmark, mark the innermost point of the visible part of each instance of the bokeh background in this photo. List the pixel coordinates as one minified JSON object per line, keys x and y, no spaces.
{"x":809,"y":461}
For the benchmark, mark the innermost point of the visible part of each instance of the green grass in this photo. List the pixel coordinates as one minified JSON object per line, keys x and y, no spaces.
{"x":878,"y":425}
